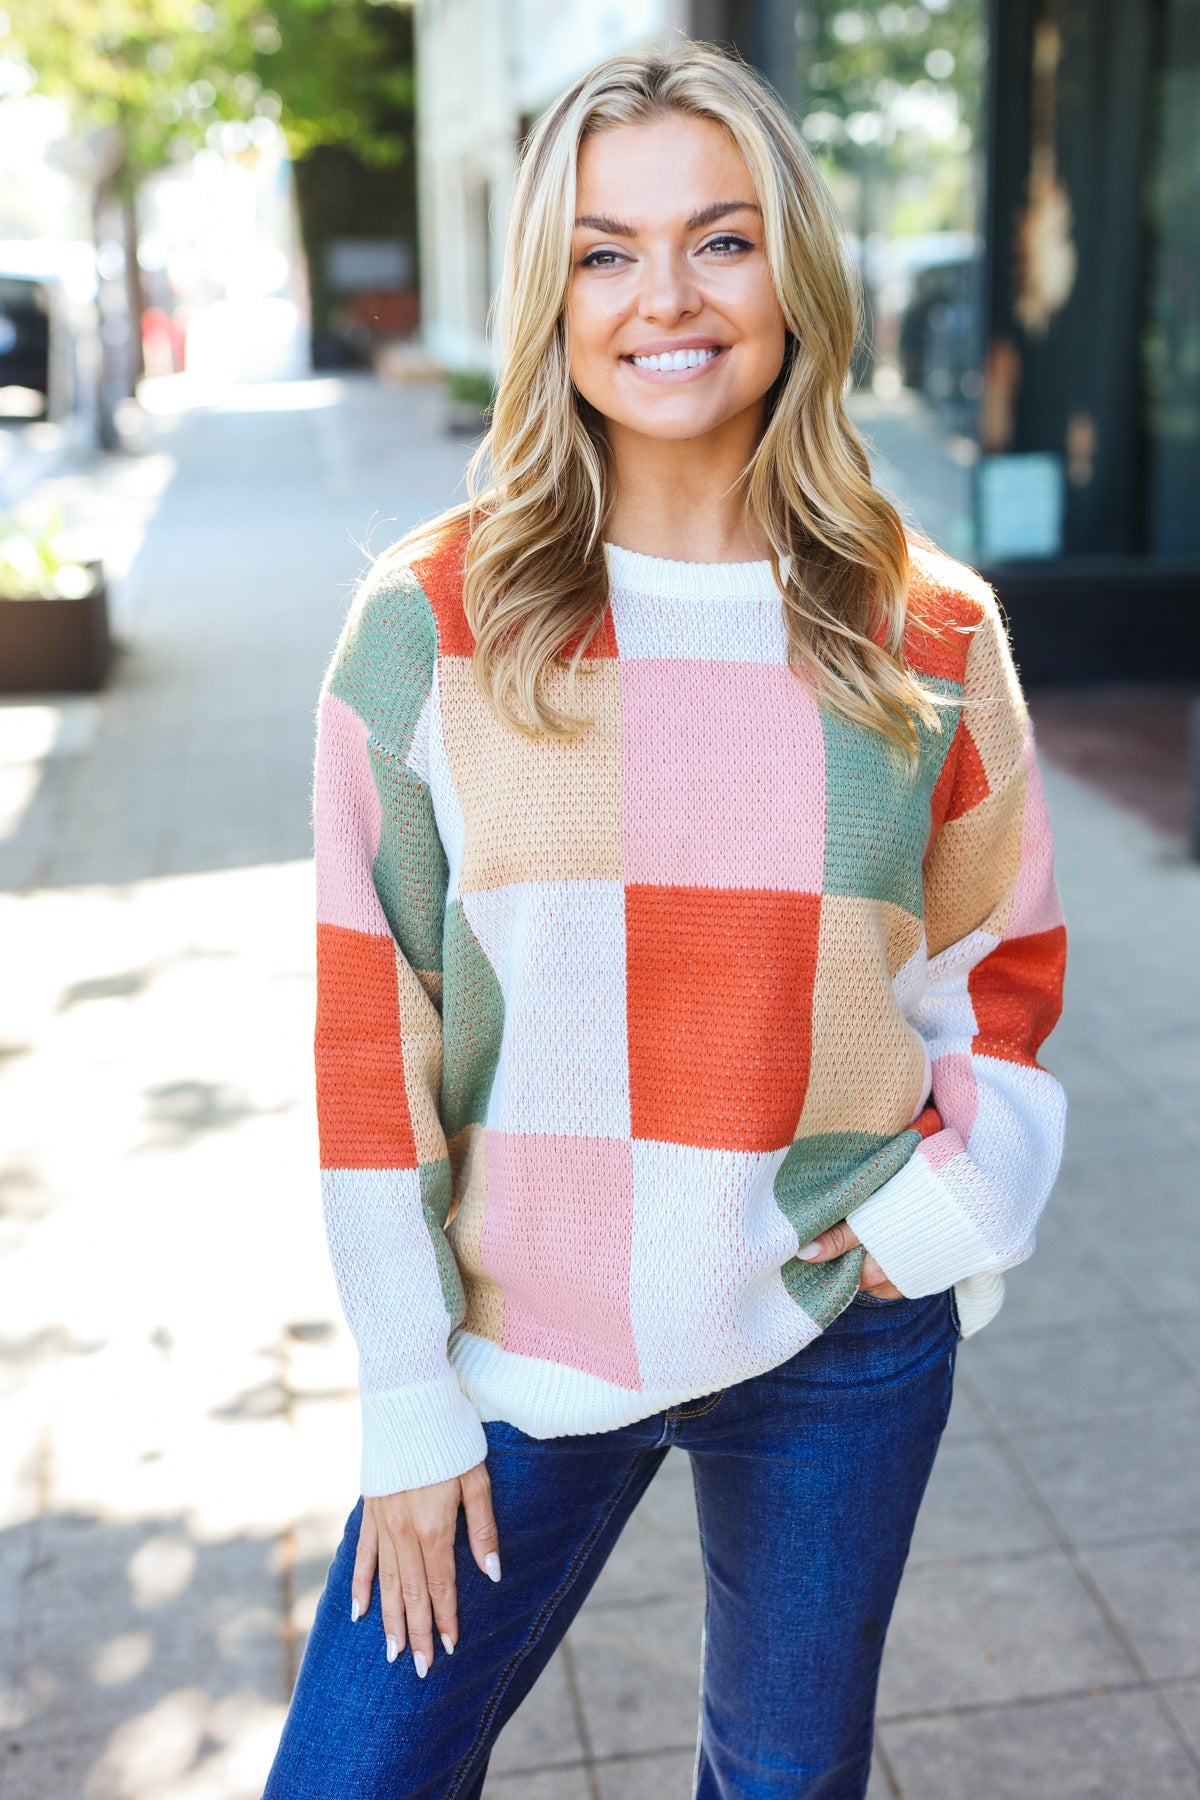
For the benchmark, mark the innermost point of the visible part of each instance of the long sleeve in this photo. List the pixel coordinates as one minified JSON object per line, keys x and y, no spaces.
{"x":381,"y":885}
{"x":965,"y":1206}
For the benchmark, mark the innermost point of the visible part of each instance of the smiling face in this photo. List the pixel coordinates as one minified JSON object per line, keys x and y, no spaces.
{"x":673,"y":323}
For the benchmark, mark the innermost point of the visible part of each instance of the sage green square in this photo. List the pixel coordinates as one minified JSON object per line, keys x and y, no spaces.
{"x":411,"y":872}
{"x":472,"y":1024}
{"x":435,"y":1204}
{"x":821,"y":1179}
{"x":877,"y":806}
{"x":384,"y":663}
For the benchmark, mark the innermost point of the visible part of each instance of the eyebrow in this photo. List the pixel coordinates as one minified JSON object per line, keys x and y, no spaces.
{"x":708,"y":215}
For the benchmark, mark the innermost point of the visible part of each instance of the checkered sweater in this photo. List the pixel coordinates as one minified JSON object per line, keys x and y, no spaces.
{"x":608,"y":1029}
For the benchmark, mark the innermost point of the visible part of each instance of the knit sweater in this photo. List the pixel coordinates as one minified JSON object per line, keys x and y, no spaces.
{"x":608,"y":1029}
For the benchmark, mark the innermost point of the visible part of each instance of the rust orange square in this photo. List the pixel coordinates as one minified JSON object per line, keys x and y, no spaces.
{"x":720,"y":990}
{"x":362,"y":1105}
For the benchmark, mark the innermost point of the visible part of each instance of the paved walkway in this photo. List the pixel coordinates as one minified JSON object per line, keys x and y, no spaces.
{"x":178,"y":1436}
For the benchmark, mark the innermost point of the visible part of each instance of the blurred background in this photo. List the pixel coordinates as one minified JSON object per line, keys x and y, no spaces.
{"x":247,"y":252}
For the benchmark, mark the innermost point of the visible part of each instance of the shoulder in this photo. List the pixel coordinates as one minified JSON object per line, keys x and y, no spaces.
{"x":951,"y":611}
{"x":403,"y":614}
{"x":406,"y":610}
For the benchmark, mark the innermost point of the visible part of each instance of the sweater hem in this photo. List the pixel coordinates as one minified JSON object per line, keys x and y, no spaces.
{"x":546,"y":1400}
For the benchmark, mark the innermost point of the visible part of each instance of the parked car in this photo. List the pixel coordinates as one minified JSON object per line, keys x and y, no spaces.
{"x":49,"y":343}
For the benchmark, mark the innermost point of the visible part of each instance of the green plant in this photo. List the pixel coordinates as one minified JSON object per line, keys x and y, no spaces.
{"x":472,"y":387}
{"x":37,"y":561}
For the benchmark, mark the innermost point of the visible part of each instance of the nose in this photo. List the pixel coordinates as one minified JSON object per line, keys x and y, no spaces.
{"x":669,"y":291}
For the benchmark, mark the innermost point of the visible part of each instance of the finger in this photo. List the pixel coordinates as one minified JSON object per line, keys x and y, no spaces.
{"x":414,"y":1594}
{"x":874,"y":1279}
{"x":365,"y":1559}
{"x":391,"y":1602}
{"x":482,"y":1535}
{"x":834,"y":1242}
{"x":436,"y":1539}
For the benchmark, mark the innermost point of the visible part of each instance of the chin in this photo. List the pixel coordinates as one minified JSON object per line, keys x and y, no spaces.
{"x":679,"y":427}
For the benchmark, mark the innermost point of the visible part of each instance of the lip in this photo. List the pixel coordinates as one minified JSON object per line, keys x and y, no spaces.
{"x":656,"y":346}
{"x":669,"y":347}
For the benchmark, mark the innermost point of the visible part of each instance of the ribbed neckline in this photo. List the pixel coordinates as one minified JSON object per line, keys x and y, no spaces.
{"x":662,"y":578}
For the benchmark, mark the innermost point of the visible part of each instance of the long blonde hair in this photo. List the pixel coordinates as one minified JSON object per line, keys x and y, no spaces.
{"x":541,"y":485}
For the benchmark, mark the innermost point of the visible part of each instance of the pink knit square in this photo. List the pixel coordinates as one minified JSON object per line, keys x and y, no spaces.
{"x":724,"y":776}
{"x":556,"y":1237}
{"x":347,"y":820}
{"x":955,"y":1093}
{"x":1036,"y":906}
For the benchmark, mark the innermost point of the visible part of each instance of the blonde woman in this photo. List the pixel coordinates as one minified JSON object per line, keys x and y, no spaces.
{"x":688,"y":934}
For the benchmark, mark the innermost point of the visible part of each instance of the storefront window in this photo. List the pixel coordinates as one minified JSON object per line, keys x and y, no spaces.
{"x":892,"y":105}
{"x":1171,"y":343}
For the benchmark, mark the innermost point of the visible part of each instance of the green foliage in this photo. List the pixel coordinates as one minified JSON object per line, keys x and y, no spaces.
{"x":892,"y":97}
{"x":36,"y":559}
{"x":154,"y":72}
{"x":160,"y":73}
{"x":343,"y":72}
{"x":859,"y":62}
{"x":471,"y":387}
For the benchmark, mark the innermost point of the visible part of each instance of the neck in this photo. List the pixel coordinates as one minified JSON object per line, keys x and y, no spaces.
{"x":683,"y":499}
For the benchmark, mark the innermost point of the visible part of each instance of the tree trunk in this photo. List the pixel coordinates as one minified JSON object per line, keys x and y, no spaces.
{"x":133,"y":281}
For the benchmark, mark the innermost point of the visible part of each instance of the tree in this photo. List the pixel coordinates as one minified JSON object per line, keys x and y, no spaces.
{"x":889,"y":87}
{"x":147,"y":80}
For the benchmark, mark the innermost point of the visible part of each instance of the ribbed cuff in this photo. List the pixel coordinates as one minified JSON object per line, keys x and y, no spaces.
{"x":920,"y":1237}
{"x":978,"y":1298}
{"x":415,"y":1435}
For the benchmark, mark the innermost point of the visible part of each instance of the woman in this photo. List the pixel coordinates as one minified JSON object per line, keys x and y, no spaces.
{"x":687,"y":936}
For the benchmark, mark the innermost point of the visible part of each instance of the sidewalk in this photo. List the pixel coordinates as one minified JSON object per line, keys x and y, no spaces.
{"x":178,"y":1432}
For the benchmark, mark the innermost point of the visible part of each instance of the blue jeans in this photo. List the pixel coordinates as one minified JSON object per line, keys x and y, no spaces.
{"x":807,"y":1479}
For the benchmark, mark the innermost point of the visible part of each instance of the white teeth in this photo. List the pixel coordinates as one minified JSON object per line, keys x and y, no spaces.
{"x":679,"y":359}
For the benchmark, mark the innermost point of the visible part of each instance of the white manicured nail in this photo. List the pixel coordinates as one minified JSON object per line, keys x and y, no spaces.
{"x":810,"y":1252}
{"x":355,"y":1612}
{"x":419,"y":1664}
{"x":393,"y":1649}
{"x":491,"y":1563}
{"x":447,"y":1644}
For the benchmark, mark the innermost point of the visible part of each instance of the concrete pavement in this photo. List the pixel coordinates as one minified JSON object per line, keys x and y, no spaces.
{"x":178,"y":1438}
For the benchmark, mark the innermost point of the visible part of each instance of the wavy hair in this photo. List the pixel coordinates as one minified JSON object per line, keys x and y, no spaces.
{"x":541,"y":484}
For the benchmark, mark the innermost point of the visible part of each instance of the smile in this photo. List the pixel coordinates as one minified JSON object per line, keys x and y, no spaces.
{"x":676,"y":362}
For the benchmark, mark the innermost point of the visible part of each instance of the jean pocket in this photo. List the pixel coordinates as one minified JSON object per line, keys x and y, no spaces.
{"x":954,"y":1318}
{"x":863,"y":1298}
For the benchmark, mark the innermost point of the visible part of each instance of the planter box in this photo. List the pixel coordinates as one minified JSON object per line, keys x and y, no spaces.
{"x":55,"y":646}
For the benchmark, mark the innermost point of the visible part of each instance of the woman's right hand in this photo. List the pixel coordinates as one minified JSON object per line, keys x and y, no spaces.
{"x":409,"y":1538}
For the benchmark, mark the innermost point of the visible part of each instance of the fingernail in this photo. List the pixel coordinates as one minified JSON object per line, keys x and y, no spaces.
{"x":810,"y":1252}
{"x":447,"y":1645}
{"x":355,"y":1612}
{"x":492,"y":1564}
{"x":420,"y":1664}
{"x":393,"y":1649}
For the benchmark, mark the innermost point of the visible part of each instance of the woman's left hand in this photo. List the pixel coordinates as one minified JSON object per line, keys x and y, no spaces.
{"x":835,"y":1242}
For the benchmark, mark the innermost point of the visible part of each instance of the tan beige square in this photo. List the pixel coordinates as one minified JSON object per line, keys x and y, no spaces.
{"x":536,"y":809}
{"x":421,"y":1053}
{"x":973,"y":866}
{"x":868,"y":1065}
{"x":902,"y":935}
{"x":464,"y":1229}
{"x":993,"y":706}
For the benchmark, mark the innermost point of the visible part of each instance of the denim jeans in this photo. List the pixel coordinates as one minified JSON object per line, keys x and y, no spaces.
{"x":807,"y":1478}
